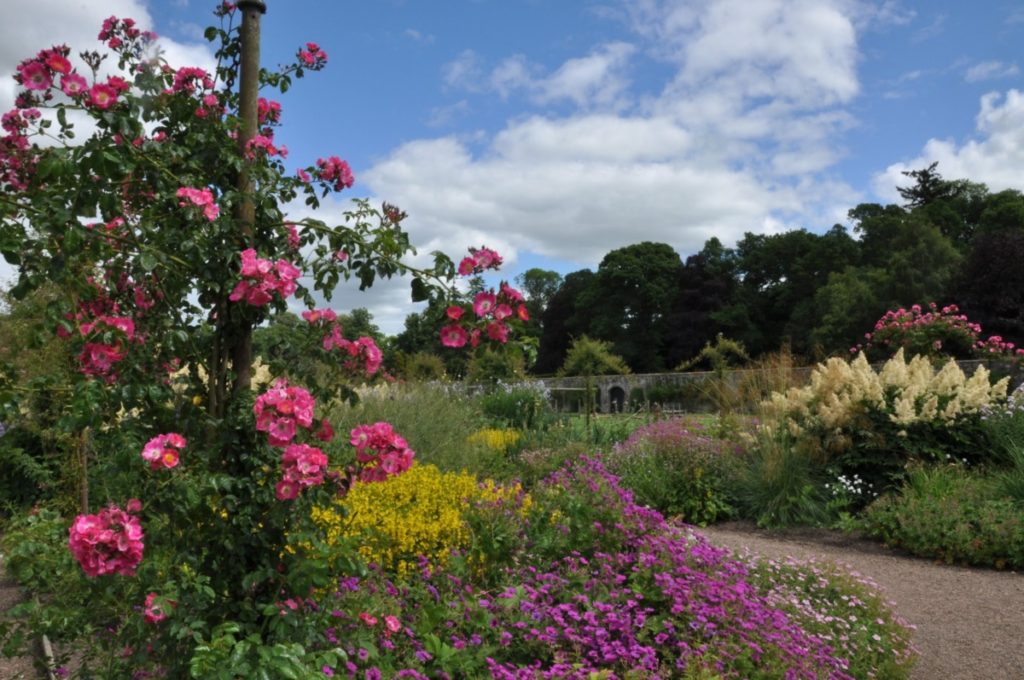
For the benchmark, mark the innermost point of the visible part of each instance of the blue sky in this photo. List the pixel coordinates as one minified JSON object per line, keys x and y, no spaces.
{"x":557,"y":130}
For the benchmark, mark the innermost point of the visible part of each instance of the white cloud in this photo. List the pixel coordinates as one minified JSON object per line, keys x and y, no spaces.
{"x":990,"y":70}
{"x":463,"y":72}
{"x":418,"y":36}
{"x":739,"y":138}
{"x":995,"y":156}
{"x":596,"y":80}
{"x":510,"y":75}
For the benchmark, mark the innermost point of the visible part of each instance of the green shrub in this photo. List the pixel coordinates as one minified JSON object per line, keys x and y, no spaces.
{"x":951,"y":514}
{"x":781,"y":486}
{"x":491,"y":367}
{"x":422,"y":366}
{"x":678,"y":468}
{"x":524,"y":405}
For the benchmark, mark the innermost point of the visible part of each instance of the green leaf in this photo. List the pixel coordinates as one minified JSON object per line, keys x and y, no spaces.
{"x":147,"y":261}
{"x":420,"y":291}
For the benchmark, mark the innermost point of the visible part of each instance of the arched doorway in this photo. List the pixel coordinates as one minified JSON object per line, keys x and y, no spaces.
{"x":617,"y":399}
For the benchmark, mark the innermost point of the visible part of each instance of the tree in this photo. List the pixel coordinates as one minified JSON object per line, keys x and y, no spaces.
{"x":928,"y":187}
{"x":589,"y":358}
{"x":990,"y":286}
{"x":630,"y":302}
{"x":778,"y":276}
{"x":539,"y":286}
{"x":563,"y":319}
{"x":706,"y":284}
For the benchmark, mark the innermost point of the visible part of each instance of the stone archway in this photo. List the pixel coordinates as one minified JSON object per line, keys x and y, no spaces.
{"x":616,"y":399}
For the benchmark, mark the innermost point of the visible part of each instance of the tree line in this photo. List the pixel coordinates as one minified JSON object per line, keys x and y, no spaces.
{"x":950,"y":242}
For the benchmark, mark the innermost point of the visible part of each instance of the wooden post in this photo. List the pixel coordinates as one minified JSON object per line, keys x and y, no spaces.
{"x":248,"y":91}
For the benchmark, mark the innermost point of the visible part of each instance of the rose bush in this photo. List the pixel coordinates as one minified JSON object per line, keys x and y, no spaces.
{"x":164,"y":229}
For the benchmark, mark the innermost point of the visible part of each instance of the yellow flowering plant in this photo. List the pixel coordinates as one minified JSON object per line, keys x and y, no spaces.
{"x":495,"y":439}
{"x":422,"y":515}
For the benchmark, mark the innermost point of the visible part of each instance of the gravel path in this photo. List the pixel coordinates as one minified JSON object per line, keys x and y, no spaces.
{"x":970,"y":622}
{"x":20,"y":668}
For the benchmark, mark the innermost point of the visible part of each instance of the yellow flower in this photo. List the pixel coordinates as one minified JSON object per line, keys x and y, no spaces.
{"x":495,"y":439}
{"x":420,"y":512}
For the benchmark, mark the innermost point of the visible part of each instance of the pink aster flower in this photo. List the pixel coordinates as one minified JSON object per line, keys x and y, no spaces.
{"x":58,"y":63}
{"x":155,"y":608}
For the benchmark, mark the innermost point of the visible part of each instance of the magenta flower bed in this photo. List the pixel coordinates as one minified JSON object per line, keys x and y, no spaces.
{"x":664,"y":604}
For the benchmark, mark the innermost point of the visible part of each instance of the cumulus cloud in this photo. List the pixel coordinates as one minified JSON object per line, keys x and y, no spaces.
{"x":995,"y":156}
{"x":738,"y":138}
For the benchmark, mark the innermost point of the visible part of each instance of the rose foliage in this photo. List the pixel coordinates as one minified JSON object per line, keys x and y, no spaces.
{"x":139,"y":190}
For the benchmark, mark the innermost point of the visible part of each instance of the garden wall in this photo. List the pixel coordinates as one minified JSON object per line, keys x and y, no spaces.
{"x":693,"y":392}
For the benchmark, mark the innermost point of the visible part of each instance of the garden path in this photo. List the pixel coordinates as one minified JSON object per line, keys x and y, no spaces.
{"x":970,"y":622}
{"x":19,"y":668}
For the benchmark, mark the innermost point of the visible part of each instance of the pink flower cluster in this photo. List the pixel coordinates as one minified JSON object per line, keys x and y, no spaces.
{"x":155,"y":609}
{"x":109,"y":542}
{"x":315,"y":316}
{"x":493,"y":311}
{"x":162,"y":450}
{"x":932,"y":331}
{"x":381,"y":451}
{"x":98,"y":358}
{"x":479,"y":259}
{"x":302,"y":466}
{"x":312,"y":57}
{"x":363,"y":352}
{"x":187,"y":78}
{"x":262,"y":278}
{"x":38,"y":75}
{"x":116,"y":32}
{"x":281,"y":410}
{"x":202,"y":198}
{"x":17,"y":157}
{"x":264,"y":144}
{"x":336,"y":171}
{"x":268,"y":111}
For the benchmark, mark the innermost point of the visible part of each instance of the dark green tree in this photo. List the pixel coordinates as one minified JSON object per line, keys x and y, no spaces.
{"x":707,"y":282}
{"x":538,"y":287}
{"x":563,"y":319}
{"x":631,"y":300}
{"x":778,"y":277}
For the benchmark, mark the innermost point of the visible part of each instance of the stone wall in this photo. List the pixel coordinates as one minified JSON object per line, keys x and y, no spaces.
{"x":693,"y":392}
